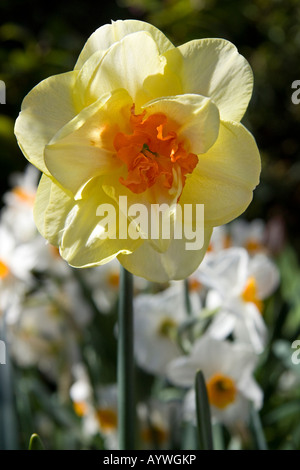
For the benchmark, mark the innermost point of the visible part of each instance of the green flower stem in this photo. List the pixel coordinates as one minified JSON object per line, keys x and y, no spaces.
{"x":187,"y":299}
{"x":126,"y":388}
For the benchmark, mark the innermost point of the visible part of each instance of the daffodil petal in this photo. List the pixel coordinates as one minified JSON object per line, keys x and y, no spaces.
{"x":266,"y":274}
{"x":51,"y":209}
{"x":214,"y":68}
{"x":126,"y":64}
{"x":143,"y":208}
{"x":175,"y":263}
{"x":107,"y":35}
{"x":82,"y":243}
{"x":42,"y":199}
{"x":70,"y":127}
{"x":155,"y":204}
{"x":46,"y":108}
{"x":197,"y":117}
{"x":82,"y":150}
{"x":226,"y":272}
{"x":225,"y":176}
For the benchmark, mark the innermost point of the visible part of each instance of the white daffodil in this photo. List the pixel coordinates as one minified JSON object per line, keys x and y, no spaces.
{"x":81,"y":394}
{"x":41,"y":337}
{"x":156,"y":319}
{"x":107,"y":413}
{"x":98,"y":410}
{"x":19,"y":201}
{"x":69,"y":300}
{"x":238,"y":285}
{"x":157,"y":420}
{"x":228,"y":371}
{"x":16,"y":260}
{"x":17,"y":217}
{"x":220,"y":239}
{"x":249,"y":235}
{"x":16,"y":264}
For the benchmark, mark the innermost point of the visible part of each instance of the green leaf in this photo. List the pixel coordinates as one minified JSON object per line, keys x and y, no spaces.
{"x":257,"y":430}
{"x":203,"y":414}
{"x":8,"y":418}
{"x":35,"y":443}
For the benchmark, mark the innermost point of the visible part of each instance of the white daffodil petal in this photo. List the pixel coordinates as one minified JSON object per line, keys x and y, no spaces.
{"x":251,"y":390}
{"x":222,"y":325}
{"x":225,"y":271}
{"x":266,"y":274}
{"x":181,"y":371}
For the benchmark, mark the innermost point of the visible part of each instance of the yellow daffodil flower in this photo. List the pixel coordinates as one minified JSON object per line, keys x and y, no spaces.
{"x":142,"y":119}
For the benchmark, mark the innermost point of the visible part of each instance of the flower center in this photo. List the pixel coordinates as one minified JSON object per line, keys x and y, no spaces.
{"x":153,"y":153}
{"x":253,"y":245}
{"x":107,"y":418}
{"x":113,"y":279}
{"x":24,"y":196}
{"x":155,"y":433}
{"x":4,"y":270}
{"x":167,"y":327}
{"x":194,"y":284}
{"x":250,"y":293}
{"x":80,"y":408}
{"x":221,"y":390}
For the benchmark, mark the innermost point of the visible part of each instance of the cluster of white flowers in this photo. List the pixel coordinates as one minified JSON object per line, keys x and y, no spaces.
{"x":220,"y":330}
{"x":214,"y":322}
{"x":44,"y":310}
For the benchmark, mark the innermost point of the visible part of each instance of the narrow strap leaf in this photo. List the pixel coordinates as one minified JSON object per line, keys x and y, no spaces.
{"x":187,"y":300}
{"x":35,"y":443}
{"x":203,"y":414}
{"x":257,"y":430}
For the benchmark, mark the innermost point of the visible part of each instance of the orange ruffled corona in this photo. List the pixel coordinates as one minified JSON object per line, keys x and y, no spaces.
{"x":152,"y":153}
